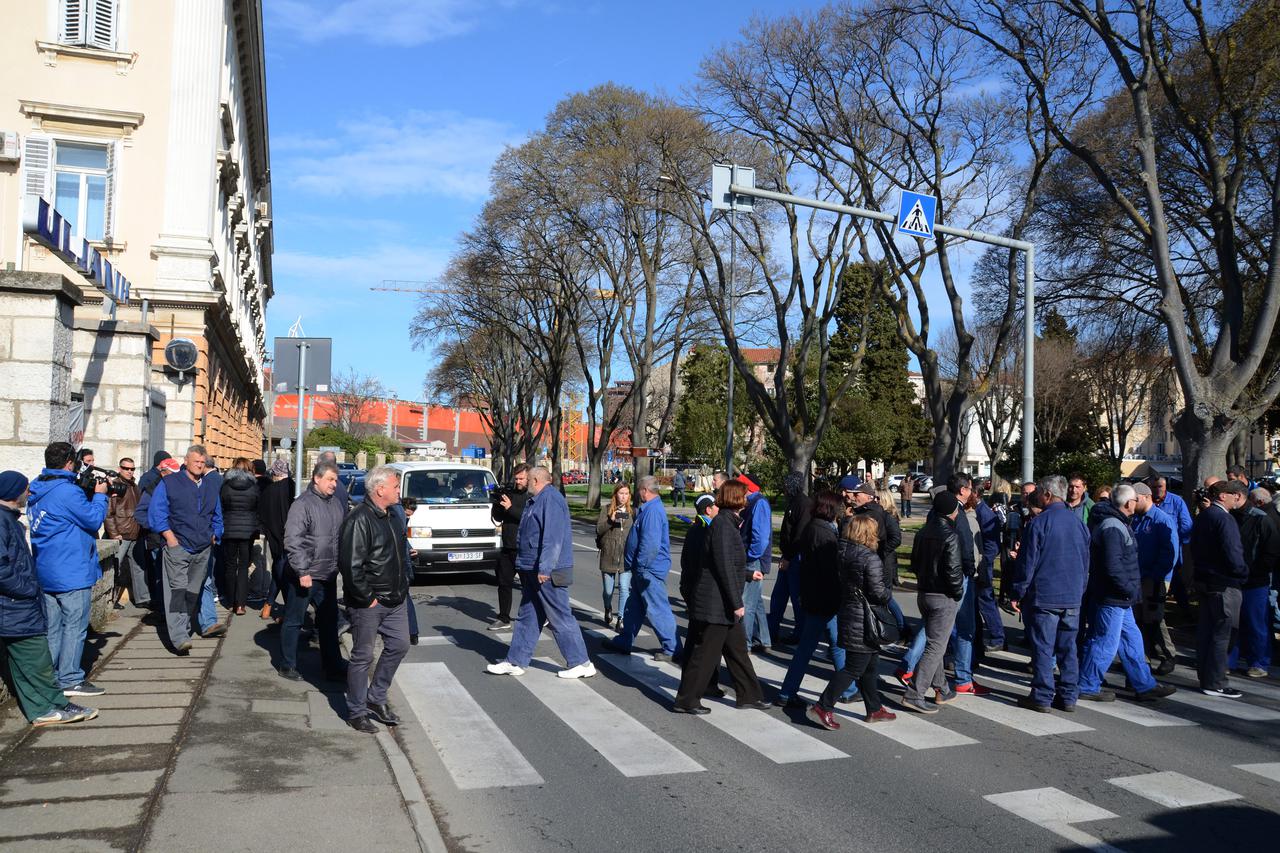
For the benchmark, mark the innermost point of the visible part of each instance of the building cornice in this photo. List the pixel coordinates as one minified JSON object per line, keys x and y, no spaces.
{"x":247,"y":20}
{"x":126,"y":120}
{"x":124,"y":62}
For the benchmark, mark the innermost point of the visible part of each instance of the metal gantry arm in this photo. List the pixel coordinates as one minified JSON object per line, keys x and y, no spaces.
{"x":1029,"y":296}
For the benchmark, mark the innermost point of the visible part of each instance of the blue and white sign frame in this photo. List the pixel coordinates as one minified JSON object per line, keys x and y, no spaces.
{"x":50,"y":229}
{"x":916,"y":214}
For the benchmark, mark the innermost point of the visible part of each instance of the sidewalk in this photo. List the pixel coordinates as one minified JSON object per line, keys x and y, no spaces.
{"x":214,"y":751}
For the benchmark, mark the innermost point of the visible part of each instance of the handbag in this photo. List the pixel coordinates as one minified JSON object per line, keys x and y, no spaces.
{"x":879,"y":628}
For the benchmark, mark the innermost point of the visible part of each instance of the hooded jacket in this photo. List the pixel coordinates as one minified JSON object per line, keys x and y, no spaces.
{"x":21,"y":610}
{"x":64,"y":531}
{"x":819,"y":559}
{"x":1114,"y":579}
{"x":240,"y":495}
{"x":1159,"y":548}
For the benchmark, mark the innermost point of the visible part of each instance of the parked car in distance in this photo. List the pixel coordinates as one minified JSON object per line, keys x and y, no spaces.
{"x":923,"y":482}
{"x":347,"y":466}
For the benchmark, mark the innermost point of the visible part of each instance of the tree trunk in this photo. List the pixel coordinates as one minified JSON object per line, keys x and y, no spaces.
{"x":1204,"y":442}
{"x":946,"y":449}
{"x":595,"y":474}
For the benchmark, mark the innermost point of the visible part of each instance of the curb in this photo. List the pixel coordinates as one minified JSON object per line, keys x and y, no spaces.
{"x":415,"y":798}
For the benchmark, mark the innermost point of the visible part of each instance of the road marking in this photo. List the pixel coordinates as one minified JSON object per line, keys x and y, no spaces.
{"x":1055,"y":811}
{"x":1227,"y":707}
{"x":909,"y":730}
{"x":1140,"y":715}
{"x":1173,"y":790}
{"x":626,"y":744}
{"x":1269,"y":770}
{"x":471,"y":746}
{"x":999,"y":709}
{"x":777,"y":740}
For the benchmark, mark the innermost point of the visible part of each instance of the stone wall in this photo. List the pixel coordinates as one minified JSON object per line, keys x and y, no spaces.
{"x":113,"y":367}
{"x":36,"y":315}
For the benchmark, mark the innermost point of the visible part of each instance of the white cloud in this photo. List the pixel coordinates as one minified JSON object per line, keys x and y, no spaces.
{"x":423,"y":152}
{"x":402,"y":23}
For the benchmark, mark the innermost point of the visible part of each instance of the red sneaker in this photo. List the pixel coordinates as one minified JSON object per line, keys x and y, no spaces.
{"x":881,"y":716}
{"x":904,"y":677}
{"x":826,"y":719}
{"x":973,"y":688}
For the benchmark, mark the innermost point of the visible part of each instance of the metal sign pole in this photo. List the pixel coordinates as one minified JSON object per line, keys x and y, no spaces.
{"x":302,"y":405}
{"x":732,"y":297}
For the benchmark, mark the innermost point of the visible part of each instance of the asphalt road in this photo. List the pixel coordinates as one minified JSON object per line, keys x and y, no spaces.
{"x":536,"y":763}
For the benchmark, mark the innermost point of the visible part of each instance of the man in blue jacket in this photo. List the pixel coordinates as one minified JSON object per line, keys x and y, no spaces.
{"x":23,"y":644}
{"x":64,"y":539}
{"x":1159,"y":553}
{"x":1115,"y":586}
{"x":186,"y":510}
{"x":1053,"y":565}
{"x":1176,"y":508}
{"x":1221,"y":570}
{"x":757,"y":537}
{"x":647,"y":555}
{"x":544,"y":559}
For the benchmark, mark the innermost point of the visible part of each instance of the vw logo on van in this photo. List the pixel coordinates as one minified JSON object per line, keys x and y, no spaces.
{"x":465,"y":533}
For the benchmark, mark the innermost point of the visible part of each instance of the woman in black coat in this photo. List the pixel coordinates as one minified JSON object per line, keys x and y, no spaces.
{"x":273,"y":511}
{"x":240,"y":527}
{"x":861,"y":577}
{"x":715,"y":611}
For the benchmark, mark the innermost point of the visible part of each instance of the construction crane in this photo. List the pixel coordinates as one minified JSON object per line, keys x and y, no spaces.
{"x":401,"y":286}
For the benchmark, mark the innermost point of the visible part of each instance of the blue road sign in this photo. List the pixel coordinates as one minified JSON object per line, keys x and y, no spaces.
{"x":916,"y":213}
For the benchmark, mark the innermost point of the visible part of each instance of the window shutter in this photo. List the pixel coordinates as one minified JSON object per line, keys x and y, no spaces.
{"x":36,"y":153}
{"x":102,"y":24}
{"x":71,"y":21}
{"x":113,"y":167}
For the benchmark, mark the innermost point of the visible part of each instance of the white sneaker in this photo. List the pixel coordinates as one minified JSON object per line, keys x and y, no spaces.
{"x":582,"y":670}
{"x":504,"y":668}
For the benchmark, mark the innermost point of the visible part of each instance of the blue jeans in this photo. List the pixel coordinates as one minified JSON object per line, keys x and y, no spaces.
{"x":622,"y":583}
{"x":812,"y":629}
{"x":649,"y":600}
{"x":324,"y":595}
{"x":539,"y":602}
{"x":755,"y":621}
{"x":208,"y":594}
{"x":896,"y":609}
{"x":786,"y":589}
{"x":1114,"y":629}
{"x":67,"y":618}
{"x":961,"y":640}
{"x":1053,"y":638}
{"x":1255,"y":630}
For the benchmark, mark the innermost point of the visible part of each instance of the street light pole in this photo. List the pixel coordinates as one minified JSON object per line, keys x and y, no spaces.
{"x":731,"y":298}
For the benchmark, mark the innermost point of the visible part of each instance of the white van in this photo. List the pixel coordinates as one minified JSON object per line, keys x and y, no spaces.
{"x":452,"y":529}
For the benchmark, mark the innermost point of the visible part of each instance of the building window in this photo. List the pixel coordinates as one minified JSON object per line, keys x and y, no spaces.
{"x":80,"y":177}
{"x":89,"y":23}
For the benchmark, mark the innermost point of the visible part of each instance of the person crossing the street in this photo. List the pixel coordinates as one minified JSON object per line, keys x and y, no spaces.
{"x":647,"y":555}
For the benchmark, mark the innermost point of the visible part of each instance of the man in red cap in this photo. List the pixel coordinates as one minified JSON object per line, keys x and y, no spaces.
{"x":757,"y":537}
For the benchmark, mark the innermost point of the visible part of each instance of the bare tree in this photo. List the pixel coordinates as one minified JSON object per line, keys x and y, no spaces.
{"x":1121,"y":368}
{"x":352,"y":395}
{"x":997,"y":409}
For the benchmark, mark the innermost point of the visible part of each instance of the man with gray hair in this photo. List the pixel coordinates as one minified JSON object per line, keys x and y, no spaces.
{"x":647,"y":555}
{"x":1053,"y":566}
{"x":372,"y":548}
{"x":1115,"y":586}
{"x":1159,"y":553}
{"x":341,"y":493}
{"x":311,"y":543}
{"x":544,"y":559}
{"x":1260,"y":538}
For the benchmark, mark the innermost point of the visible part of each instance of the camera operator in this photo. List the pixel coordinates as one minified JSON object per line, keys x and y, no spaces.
{"x":64,"y":532}
{"x":507,"y":510}
{"x":124,"y":528}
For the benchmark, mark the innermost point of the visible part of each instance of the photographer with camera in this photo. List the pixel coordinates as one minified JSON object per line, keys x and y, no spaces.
{"x":64,"y":531}
{"x":121,"y":525}
{"x":508,"y":506}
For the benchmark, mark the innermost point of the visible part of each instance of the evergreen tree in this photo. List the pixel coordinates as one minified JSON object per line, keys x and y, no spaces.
{"x":700,"y":426}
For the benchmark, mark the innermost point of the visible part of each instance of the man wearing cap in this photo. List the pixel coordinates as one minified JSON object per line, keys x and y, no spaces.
{"x":1221,"y":569}
{"x":24,"y":648}
{"x":1053,"y":567}
{"x":154,"y":542}
{"x":757,"y":537}
{"x":1159,"y":553}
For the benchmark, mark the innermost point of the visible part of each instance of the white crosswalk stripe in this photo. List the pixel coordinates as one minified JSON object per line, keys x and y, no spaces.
{"x":1269,"y":770}
{"x":1137,"y":714}
{"x":999,"y":709}
{"x":1056,"y":811}
{"x":1236,"y":708}
{"x":471,"y":746}
{"x":1173,"y":790}
{"x":625,"y":743}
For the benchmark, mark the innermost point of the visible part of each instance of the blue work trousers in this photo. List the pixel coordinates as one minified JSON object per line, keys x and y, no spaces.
{"x":1254,"y":646}
{"x":1053,"y":640}
{"x":1111,"y":630}
{"x":547,"y":602}
{"x":649,"y":600}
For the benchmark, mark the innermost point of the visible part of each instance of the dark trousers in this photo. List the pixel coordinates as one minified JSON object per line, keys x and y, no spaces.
{"x":1150,"y":613}
{"x":861,"y":667}
{"x":324,"y":595}
{"x":677,"y":497}
{"x":367,"y":624}
{"x":993,"y":625}
{"x":704,"y":646}
{"x":506,"y":583}
{"x":1216,"y":634}
{"x":31,"y":669}
{"x":237,"y":554}
{"x":1053,"y":639}
{"x":906,"y":504}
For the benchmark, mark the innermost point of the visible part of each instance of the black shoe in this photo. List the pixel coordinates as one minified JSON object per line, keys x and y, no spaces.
{"x":758,"y":705}
{"x":363,"y":724}
{"x":714,"y":693}
{"x":1031,"y":705}
{"x":413,"y":639}
{"x":661,"y":657}
{"x":289,"y":673}
{"x":1160,"y":691}
{"x":383,"y":714}
{"x":1102,"y":695}
{"x":697,"y":709}
{"x":612,"y":645}
{"x":759,"y":649}
{"x":1059,"y":705}
{"x":1165,"y":667}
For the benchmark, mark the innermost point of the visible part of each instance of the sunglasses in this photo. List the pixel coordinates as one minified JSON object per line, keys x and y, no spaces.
{"x":123,"y":468}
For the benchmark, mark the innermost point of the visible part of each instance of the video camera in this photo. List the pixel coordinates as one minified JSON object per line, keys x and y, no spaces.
{"x":91,"y":475}
{"x":497,"y":493}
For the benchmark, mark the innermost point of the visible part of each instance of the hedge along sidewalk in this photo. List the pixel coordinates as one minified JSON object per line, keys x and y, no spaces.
{"x":94,"y":784}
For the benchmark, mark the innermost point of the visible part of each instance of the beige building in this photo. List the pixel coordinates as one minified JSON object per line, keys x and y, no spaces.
{"x":144,"y":124}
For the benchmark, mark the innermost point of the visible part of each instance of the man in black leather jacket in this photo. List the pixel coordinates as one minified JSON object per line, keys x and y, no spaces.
{"x":507,"y":511}
{"x":936,"y":562}
{"x":371,"y":554}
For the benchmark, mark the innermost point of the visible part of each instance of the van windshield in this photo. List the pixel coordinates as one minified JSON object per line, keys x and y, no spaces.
{"x":449,"y":486}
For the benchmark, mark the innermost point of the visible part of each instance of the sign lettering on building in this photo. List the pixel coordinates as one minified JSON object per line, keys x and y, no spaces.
{"x":50,"y":229}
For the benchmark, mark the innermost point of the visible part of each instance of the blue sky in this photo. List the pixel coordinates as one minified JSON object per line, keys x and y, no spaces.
{"x":387,"y":114}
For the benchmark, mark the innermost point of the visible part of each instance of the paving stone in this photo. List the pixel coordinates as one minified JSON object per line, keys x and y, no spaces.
{"x":63,"y":845}
{"x":103,"y":736}
{"x":140,"y":700}
{"x":139,"y":687}
{"x":279,"y":706}
{"x":80,"y":786}
{"x":73,"y":760}
{"x":161,"y":654}
{"x":138,"y":717}
{"x":322,"y":713}
{"x":151,"y":664}
{"x":147,"y":675}
{"x":78,"y":816}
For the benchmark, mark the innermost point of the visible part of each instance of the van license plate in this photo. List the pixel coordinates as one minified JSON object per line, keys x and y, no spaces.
{"x":465,"y":556}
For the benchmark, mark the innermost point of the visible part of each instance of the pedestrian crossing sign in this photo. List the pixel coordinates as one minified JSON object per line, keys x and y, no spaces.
{"x":916,"y":213}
